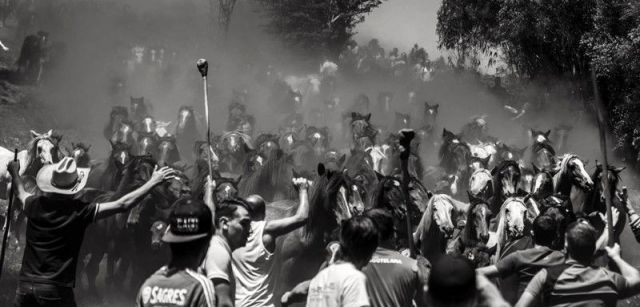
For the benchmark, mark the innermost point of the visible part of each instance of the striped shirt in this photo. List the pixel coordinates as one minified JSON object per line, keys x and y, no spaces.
{"x":178,"y":288}
{"x":580,"y":285}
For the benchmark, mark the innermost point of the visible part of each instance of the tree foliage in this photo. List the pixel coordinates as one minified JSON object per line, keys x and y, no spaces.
{"x":559,"y":40}
{"x":317,"y":26}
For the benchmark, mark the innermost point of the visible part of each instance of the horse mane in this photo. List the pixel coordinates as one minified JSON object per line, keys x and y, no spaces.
{"x":447,"y":153}
{"x":33,"y":164}
{"x":427,"y":216}
{"x":500,"y":230}
{"x":467,"y":236}
{"x":322,"y":203}
{"x":559,"y":179}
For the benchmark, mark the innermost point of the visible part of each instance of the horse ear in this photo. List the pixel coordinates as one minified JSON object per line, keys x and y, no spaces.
{"x":436,"y":106}
{"x":368,"y":117}
{"x":34,"y":134}
{"x":426,"y":105}
{"x":546,"y":134}
{"x":237,"y":181}
{"x":532,"y":133}
{"x":342,"y":159}
{"x":354,"y":115}
{"x":294,"y":173}
{"x":494,"y":171}
{"x":321,"y":169}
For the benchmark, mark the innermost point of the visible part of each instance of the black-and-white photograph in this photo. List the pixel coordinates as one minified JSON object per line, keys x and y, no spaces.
{"x":319,"y":153}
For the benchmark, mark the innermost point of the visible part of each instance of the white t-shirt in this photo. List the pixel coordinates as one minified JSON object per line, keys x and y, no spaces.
{"x":217,"y":263}
{"x":253,"y":266}
{"x":338,"y":285}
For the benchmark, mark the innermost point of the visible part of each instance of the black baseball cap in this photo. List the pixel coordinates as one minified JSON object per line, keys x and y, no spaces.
{"x":190,"y":220}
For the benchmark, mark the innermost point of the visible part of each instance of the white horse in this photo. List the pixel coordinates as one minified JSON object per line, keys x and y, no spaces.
{"x":41,"y":149}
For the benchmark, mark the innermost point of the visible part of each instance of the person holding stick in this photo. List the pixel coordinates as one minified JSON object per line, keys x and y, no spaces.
{"x":55,"y":229}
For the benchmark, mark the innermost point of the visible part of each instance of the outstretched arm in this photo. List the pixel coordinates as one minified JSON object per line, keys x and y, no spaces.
{"x":274,"y":229}
{"x":133,"y":198}
{"x":630,"y":274}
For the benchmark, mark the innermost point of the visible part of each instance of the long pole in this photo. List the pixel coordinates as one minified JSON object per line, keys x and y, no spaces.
{"x":7,"y":222}
{"x":603,"y":148}
{"x":405,"y":142}
{"x":203,"y":67}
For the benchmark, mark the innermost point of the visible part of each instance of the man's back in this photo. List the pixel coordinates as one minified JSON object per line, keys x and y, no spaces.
{"x":392,"y":279}
{"x":338,"y":285}
{"x":55,"y":229}
{"x":526,"y":264}
{"x":579,"y":285}
{"x":253,"y":266}
{"x":177,"y":288}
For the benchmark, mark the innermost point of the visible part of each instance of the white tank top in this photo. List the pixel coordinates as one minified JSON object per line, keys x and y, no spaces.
{"x":252,"y":267}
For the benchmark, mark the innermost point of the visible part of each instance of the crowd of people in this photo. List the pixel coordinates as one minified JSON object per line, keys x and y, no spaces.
{"x":241,"y":227}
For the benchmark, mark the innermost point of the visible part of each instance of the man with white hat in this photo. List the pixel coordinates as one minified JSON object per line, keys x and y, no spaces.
{"x":55,"y":229}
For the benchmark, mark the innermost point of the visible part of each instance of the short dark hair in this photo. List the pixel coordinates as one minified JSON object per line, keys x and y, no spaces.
{"x":358,"y":238}
{"x":182,"y":250}
{"x":452,"y":280}
{"x":228,"y":207}
{"x":544,"y":230}
{"x":581,"y":241}
{"x":383,"y":221}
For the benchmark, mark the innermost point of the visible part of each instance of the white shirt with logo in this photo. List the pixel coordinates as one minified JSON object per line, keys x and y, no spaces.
{"x":338,"y":285}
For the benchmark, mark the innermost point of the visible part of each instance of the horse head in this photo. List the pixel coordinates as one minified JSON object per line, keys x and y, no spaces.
{"x":233,"y":141}
{"x":333,"y":160}
{"x":43,"y":148}
{"x":430,"y":112}
{"x":514,"y":214}
{"x":539,"y":136}
{"x":80,"y":153}
{"x":147,"y":145}
{"x":542,"y":183}
{"x":352,"y":195}
{"x":439,"y":214}
{"x":571,"y":172}
{"x":318,"y":138}
{"x":148,"y":125}
{"x":506,"y":178}
{"x":478,"y":219}
{"x":267,"y":145}
{"x":402,"y":120}
{"x":185,"y":117}
{"x":505,"y":152}
{"x":138,"y":107}
{"x":360,"y":125}
{"x":167,"y":151}
{"x":226,"y":188}
{"x":158,"y":228}
{"x":120,"y":154}
{"x":481,"y":184}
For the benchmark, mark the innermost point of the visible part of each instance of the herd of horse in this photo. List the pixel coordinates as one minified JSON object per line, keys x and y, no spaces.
{"x":479,"y":201}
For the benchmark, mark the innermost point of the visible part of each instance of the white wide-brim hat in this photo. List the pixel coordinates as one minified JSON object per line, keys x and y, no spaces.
{"x":63,"y":177}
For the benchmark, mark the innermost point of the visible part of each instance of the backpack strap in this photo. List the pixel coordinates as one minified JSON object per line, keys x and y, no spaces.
{"x":553,"y":273}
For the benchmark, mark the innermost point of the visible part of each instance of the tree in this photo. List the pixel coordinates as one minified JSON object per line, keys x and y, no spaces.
{"x":537,"y":38}
{"x":317,"y":27}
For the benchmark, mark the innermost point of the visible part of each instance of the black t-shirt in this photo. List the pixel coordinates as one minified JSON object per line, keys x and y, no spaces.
{"x":55,"y":230}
